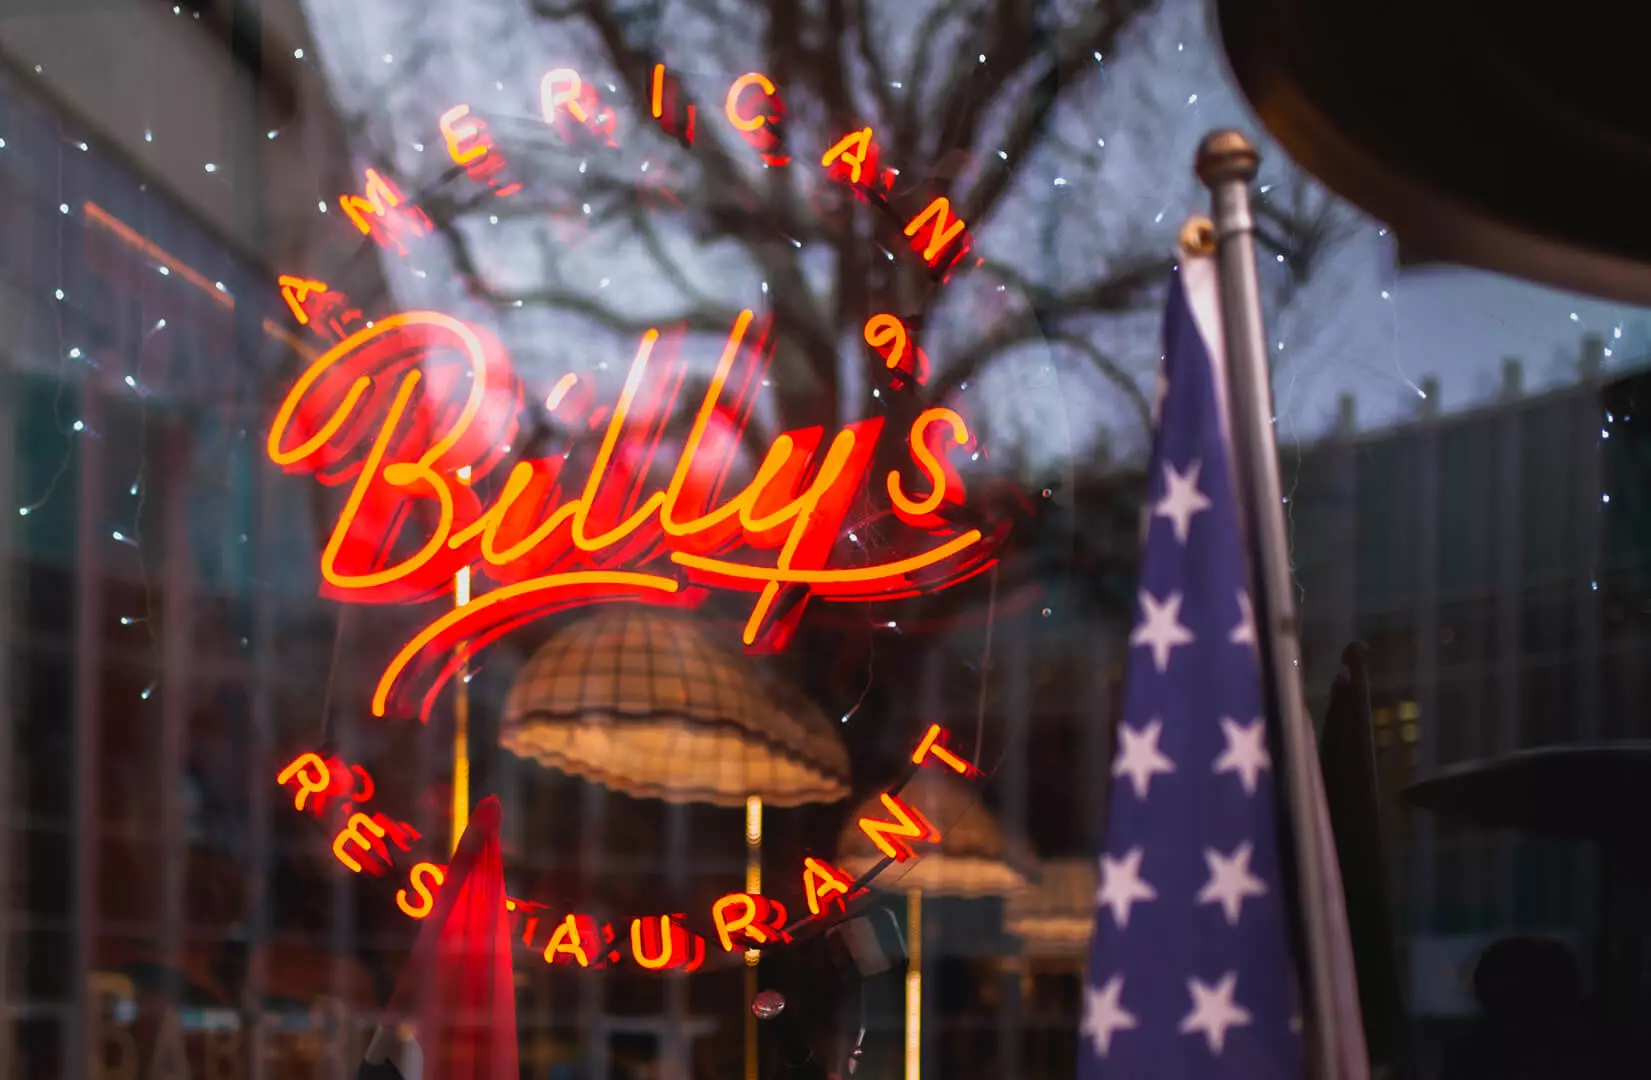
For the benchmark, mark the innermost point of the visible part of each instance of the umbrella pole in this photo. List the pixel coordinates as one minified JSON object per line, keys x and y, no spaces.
{"x":461,"y":749}
{"x":914,"y":984}
{"x":753,"y":885}
{"x":461,"y":711}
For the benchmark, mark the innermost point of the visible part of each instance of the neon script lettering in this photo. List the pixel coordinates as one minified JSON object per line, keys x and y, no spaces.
{"x":411,"y":414}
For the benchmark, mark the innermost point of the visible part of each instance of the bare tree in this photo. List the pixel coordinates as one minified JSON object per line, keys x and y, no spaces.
{"x":992,"y":104}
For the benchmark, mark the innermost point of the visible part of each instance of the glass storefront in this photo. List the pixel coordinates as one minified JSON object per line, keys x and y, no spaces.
{"x":719,"y":433}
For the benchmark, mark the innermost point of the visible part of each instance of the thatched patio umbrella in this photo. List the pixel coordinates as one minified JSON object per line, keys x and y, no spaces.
{"x":639,"y":700}
{"x":1055,"y":916}
{"x":974,"y":859}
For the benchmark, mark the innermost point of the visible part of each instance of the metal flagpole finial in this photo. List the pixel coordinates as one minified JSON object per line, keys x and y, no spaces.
{"x":1198,"y":236}
{"x":1227,"y":155}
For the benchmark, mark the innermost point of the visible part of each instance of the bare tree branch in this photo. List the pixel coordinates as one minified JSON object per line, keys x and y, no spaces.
{"x":1097,"y":32}
{"x":948,"y":107}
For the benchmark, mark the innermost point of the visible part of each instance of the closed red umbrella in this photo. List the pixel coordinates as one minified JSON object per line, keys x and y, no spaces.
{"x":454,"y":1009}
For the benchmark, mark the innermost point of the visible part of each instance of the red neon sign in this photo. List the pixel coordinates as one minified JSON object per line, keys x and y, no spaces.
{"x":570,"y":105}
{"x":891,"y":837}
{"x":761,"y":127}
{"x":413,"y":411}
{"x":824,"y":884}
{"x":470,"y":144}
{"x":672,"y":110}
{"x":933,"y":747}
{"x":853,"y":160}
{"x":367,"y":843}
{"x":941,"y":237}
{"x":381,"y":214}
{"x":889,"y":336}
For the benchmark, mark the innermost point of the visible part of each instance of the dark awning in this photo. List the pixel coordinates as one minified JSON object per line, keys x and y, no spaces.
{"x":1598,"y":792}
{"x":1517,"y":144}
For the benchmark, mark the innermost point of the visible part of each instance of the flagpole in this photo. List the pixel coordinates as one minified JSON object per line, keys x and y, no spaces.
{"x":1227,"y":163}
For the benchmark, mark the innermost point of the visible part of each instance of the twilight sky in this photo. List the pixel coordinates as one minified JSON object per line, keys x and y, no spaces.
{"x":1358,"y":327}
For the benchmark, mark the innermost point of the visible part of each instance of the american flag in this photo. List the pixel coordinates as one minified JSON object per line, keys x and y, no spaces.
{"x":1190,"y":967}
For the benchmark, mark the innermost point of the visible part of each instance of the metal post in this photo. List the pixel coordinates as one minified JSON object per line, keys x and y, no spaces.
{"x":1510,"y":509}
{"x":88,"y":723}
{"x":753,"y":885}
{"x":461,"y":711}
{"x":1016,"y":776}
{"x":1227,"y":162}
{"x":593,"y":1019}
{"x":176,"y":693}
{"x":9,"y":568}
{"x":244,"y":122}
{"x":676,"y":1046}
{"x":914,"y":984}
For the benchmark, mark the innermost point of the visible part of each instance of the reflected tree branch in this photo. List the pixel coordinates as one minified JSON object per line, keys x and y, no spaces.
{"x":816,"y":248}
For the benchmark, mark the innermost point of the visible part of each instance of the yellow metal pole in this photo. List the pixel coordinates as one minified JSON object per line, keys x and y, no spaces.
{"x":753,"y":885}
{"x":461,"y":750}
{"x":914,"y":984}
{"x":461,"y":708}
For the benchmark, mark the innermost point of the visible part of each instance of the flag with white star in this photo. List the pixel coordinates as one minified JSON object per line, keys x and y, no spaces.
{"x":1190,"y":966}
